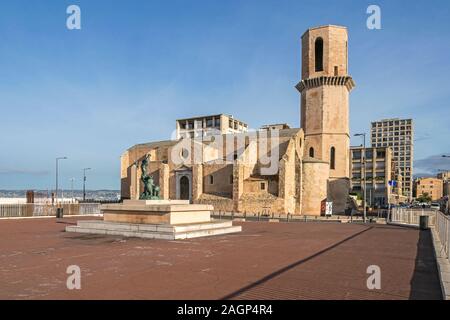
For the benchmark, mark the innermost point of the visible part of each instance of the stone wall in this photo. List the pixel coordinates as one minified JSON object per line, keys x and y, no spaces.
{"x":261,"y":203}
{"x":338,"y":193}
{"x":314,"y":186}
{"x":197,"y":181}
{"x":222,"y":175}
{"x":164,"y":181}
{"x":219,"y":203}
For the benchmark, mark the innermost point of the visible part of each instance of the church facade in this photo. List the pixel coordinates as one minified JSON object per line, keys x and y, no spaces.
{"x":217,"y":160}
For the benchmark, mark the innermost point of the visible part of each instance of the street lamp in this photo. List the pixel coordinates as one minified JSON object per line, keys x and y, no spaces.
{"x":57,"y":169}
{"x":363,"y":154}
{"x":71,"y":184}
{"x":84,"y":183}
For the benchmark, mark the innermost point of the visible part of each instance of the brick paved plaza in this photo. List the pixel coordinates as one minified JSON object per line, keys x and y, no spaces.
{"x":265,"y":261}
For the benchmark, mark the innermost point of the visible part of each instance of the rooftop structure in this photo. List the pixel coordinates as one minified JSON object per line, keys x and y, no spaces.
{"x":209,"y":125}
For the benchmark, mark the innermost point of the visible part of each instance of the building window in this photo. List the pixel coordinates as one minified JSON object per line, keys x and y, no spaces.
{"x":184,"y":153}
{"x":263,"y":186}
{"x":311,"y":152}
{"x":211,"y":179}
{"x":332,"y":158}
{"x":319,"y":54}
{"x":336,"y":71}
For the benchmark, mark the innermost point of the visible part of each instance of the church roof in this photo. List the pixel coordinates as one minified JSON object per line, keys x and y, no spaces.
{"x":156,"y":144}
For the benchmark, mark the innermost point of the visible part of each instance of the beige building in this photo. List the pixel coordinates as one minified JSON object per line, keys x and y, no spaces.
{"x":399,"y":135}
{"x":445,"y":177}
{"x":431,"y":186}
{"x":276,"y":169}
{"x":379,"y":170}
{"x":208,"y":126}
{"x":378,"y":173}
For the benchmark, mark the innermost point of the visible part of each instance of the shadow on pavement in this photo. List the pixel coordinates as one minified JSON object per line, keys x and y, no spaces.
{"x":425,"y":284}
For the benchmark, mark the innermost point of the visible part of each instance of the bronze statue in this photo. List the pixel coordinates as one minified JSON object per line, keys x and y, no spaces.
{"x":151,"y":192}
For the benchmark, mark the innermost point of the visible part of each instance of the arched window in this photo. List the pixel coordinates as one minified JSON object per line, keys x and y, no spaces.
{"x":319,"y":54}
{"x":311,"y":152}
{"x":333,"y":158}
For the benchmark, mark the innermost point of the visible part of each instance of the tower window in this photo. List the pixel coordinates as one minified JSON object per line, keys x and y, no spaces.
{"x":336,"y":71}
{"x":333,"y":158}
{"x":311,"y":152}
{"x":211,"y":179}
{"x":319,"y":54}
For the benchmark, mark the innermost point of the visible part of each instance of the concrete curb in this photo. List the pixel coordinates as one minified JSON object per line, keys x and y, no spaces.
{"x":398,"y":224}
{"x":443,"y":265}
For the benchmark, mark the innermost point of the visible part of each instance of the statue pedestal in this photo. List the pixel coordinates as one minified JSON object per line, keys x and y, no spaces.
{"x":156,"y":219}
{"x":157,"y":212}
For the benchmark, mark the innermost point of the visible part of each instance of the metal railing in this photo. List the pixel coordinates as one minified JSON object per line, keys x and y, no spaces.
{"x":411,"y":216}
{"x":43,"y":210}
{"x":438,"y":220}
{"x":443,"y":231}
{"x":266,"y":215}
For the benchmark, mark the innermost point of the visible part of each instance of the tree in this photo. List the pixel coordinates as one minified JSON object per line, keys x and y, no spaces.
{"x":425,"y":197}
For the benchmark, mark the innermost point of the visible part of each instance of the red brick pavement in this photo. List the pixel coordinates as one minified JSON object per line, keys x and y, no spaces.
{"x":265,"y":261}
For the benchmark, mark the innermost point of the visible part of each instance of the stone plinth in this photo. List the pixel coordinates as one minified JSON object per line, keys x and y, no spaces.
{"x":156,"y":219}
{"x":156,"y":212}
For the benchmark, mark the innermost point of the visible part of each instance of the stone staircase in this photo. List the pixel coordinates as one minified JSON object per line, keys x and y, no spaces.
{"x":155,"y":231}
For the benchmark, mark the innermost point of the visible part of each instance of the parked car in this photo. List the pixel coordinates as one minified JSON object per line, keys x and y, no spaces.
{"x":435,"y":206}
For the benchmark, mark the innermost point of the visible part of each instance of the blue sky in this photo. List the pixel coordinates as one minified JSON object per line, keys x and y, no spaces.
{"x":136,"y":66}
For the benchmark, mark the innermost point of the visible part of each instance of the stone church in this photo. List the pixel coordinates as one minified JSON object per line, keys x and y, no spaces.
{"x":216,"y":160}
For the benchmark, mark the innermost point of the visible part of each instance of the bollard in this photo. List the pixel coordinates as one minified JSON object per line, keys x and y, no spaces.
{"x":424,"y":223}
{"x":59,"y":213}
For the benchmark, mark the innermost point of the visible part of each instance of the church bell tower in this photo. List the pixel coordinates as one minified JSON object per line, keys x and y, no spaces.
{"x":325,"y":89}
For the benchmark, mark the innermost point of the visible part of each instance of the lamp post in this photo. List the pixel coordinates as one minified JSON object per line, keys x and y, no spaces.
{"x":363,"y":154}
{"x":71,"y":184}
{"x":84,"y":183}
{"x":57,"y":172}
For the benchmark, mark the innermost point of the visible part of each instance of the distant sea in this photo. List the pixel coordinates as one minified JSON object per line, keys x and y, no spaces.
{"x":78,"y":194}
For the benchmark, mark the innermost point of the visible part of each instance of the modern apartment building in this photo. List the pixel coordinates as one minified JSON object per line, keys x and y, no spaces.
{"x":209,"y":125}
{"x":399,"y":135}
{"x":379,"y":170}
